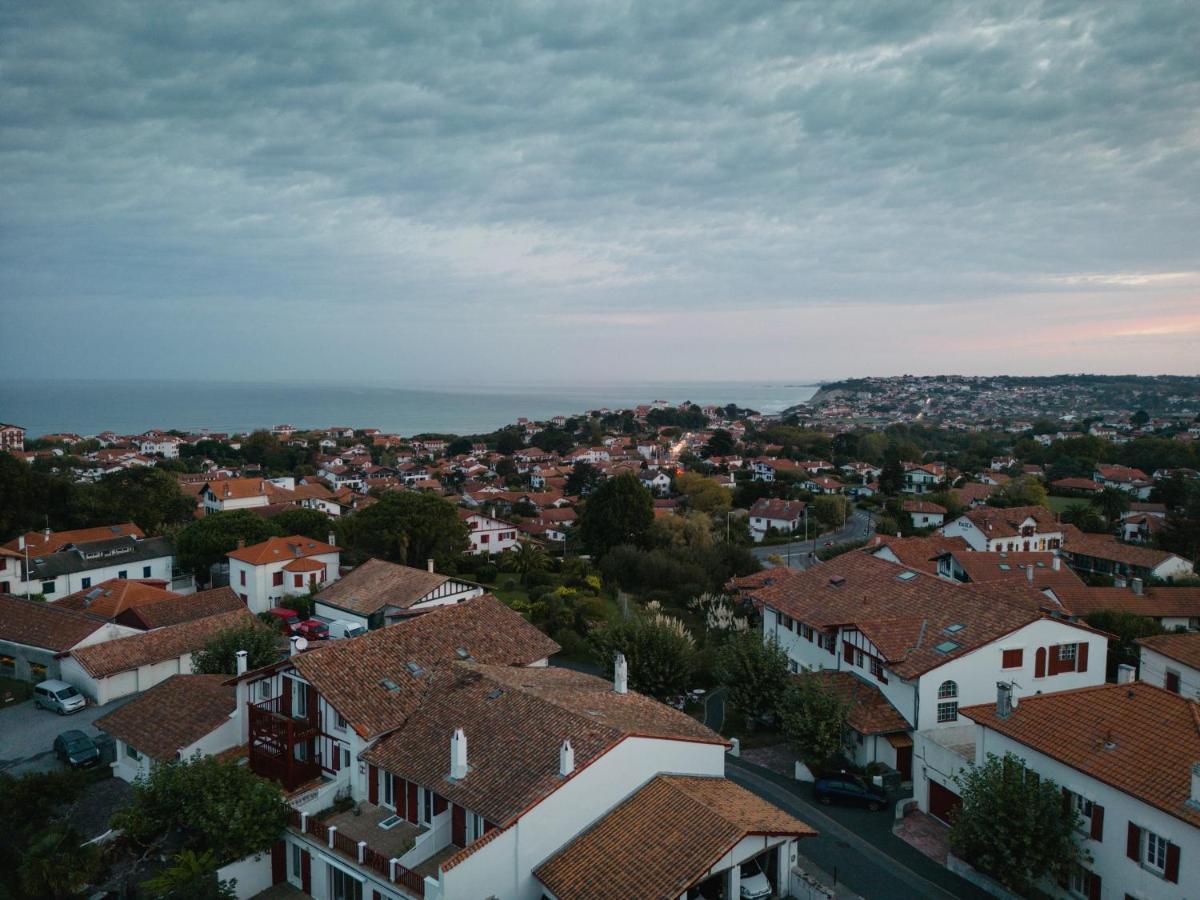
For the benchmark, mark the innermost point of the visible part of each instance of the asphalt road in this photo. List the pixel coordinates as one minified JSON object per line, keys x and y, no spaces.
{"x":27,"y":734}
{"x":856,"y":846}
{"x":858,"y":526}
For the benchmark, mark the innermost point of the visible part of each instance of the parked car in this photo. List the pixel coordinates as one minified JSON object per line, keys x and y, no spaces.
{"x":340,"y":628}
{"x":849,"y":789}
{"x":76,"y":749}
{"x":59,"y":697}
{"x":286,"y":619}
{"x":754,"y":882}
{"x":313,"y":629}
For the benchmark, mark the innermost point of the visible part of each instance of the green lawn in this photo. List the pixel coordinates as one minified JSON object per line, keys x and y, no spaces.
{"x":1059,"y":504}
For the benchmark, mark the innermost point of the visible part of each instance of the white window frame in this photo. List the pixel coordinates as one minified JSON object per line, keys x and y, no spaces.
{"x":947,"y":708}
{"x":1155,"y":844}
{"x":388,"y":794}
{"x":1067,"y":652}
{"x":425,"y":807}
{"x":1084,"y":807}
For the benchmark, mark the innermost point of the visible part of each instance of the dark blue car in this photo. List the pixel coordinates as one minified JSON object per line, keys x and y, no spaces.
{"x":849,"y":789}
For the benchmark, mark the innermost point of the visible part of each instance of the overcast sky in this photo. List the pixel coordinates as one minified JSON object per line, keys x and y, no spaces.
{"x":451,"y":191}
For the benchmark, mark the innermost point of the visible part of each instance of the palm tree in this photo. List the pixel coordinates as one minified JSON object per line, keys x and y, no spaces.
{"x":56,"y":865}
{"x":193,"y":876}
{"x":528,"y":558}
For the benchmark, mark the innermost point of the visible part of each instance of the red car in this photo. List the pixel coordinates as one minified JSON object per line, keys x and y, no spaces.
{"x":287,"y":619}
{"x":313,"y":630}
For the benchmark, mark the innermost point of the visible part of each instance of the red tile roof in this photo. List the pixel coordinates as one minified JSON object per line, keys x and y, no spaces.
{"x":112,"y":597}
{"x":123,"y":654}
{"x":1138,"y":738}
{"x":377,"y":583}
{"x":1184,"y":648}
{"x":1105,"y":546}
{"x":1156,"y":603}
{"x":995,"y":522}
{"x":183,"y":609}
{"x":44,"y":625}
{"x":922,"y":506}
{"x":172,"y":715}
{"x":39,"y":544}
{"x":870,"y":712}
{"x":662,"y":840}
{"x":919,"y":553}
{"x":276,"y":549}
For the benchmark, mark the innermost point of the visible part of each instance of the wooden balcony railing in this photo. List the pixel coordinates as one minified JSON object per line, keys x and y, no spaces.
{"x":348,"y":847}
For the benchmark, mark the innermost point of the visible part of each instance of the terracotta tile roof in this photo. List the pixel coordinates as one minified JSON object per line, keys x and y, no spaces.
{"x":1105,"y":546}
{"x":1157,"y":603}
{"x":971,"y":492}
{"x":172,"y":715}
{"x":1077,"y":484}
{"x":1120,"y":473}
{"x":350,"y":675}
{"x":662,"y":840}
{"x":774,"y":508}
{"x":995,"y":522}
{"x":986,"y":566}
{"x":238,"y":488}
{"x":515,"y":720}
{"x":112,"y":597}
{"x":44,"y":625}
{"x":870,"y":712}
{"x":922,"y":506}
{"x":280,"y":548}
{"x":1111,"y":732}
{"x":1184,"y":648}
{"x":183,"y":609}
{"x":377,"y":583}
{"x":123,"y":654}
{"x":39,"y":544}
{"x":919,"y":553}
{"x":905,"y":613}
{"x":304,"y":564}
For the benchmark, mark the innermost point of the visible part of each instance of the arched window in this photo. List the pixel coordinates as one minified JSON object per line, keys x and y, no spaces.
{"x":947,"y":708}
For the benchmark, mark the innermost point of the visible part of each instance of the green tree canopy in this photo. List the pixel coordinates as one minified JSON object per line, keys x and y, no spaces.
{"x":309,"y":522}
{"x":213,"y":805}
{"x":720,"y":444}
{"x":150,"y":497}
{"x":191,"y":876}
{"x":703,"y":494}
{"x":814,"y":720}
{"x":754,"y":672}
{"x":582,"y":479}
{"x":618,"y":512}
{"x":205,"y":542}
{"x":659,"y":651}
{"x":219,"y":654}
{"x":406,"y":527}
{"x":1013,"y":825}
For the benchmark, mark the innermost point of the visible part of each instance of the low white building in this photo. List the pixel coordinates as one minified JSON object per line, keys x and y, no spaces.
{"x":35,"y":637}
{"x":1021,"y":528}
{"x":488,"y":534}
{"x":1127,"y":758}
{"x":924,"y":514}
{"x":265,"y":573}
{"x":1171,"y":661}
{"x":784,"y":516}
{"x":378,"y":593}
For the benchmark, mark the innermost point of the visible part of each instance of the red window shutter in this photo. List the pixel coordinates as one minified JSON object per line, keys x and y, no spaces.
{"x":373,"y":784}
{"x":1093,"y":886}
{"x":299,"y":580}
{"x":400,"y":796}
{"x":1097,"y":822}
{"x":458,"y":825}
{"x":1172,"y":871}
{"x":1013,"y":659}
{"x":1133,"y":843}
{"x":488,"y":826}
{"x":277,"y":579}
{"x":1066,"y":798}
{"x":439,"y":804}
{"x":1039,"y":663}
{"x":1054,"y":665}
{"x":306,"y":871}
{"x":412,"y":801}
{"x":1081,"y":652}
{"x":278,"y":862}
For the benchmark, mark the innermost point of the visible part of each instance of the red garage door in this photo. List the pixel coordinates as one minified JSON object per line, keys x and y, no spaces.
{"x":942,"y":801}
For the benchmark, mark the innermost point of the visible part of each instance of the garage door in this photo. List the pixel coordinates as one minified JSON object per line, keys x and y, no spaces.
{"x":942,"y":801}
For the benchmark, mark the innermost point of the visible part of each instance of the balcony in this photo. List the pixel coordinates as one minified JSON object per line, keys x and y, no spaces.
{"x":284,"y":747}
{"x":358,"y":837}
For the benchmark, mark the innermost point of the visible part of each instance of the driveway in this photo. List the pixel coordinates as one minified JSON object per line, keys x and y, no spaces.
{"x":859,"y":526}
{"x":27,"y":734}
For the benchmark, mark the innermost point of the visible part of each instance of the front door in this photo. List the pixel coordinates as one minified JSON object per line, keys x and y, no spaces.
{"x":904,"y":762}
{"x":942,"y":801}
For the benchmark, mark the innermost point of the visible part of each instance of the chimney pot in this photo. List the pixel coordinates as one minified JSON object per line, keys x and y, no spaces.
{"x":293,"y":641}
{"x":566,"y":759}
{"x":620,"y":675}
{"x":1056,"y":563}
{"x":1004,"y":704}
{"x":458,"y":754}
{"x":21,"y":542}
{"x":241,"y":662}
{"x":429,"y":565}
{"x":1124,"y":673}
{"x":1029,"y":573}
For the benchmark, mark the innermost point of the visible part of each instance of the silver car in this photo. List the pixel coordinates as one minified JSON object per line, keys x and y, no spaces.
{"x":59,"y":697}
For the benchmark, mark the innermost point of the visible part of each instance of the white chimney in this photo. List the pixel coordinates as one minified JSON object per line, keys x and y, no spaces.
{"x":566,"y":759}
{"x":458,"y":754}
{"x":1124,"y":673}
{"x":620,"y":675}
{"x":21,"y":542}
{"x":294,"y":648}
{"x":1137,"y":584}
{"x":429,"y":565}
{"x":1056,"y":563}
{"x":241,"y":662}
{"x":1003,"y":699}
{"x":1029,"y":573}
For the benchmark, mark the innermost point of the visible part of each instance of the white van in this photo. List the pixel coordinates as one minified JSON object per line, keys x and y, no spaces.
{"x":340,"y":628}
{"x":59,"y":697}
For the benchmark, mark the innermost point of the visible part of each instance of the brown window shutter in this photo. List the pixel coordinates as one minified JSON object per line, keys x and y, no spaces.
{"x":1066,"y":798}
{"x":1171,"y":873}
{"x":439,"y":804}
{"x":1053,"y":664}
{"x":1039,"y":663}
{"x":1097,"y":822}
{"x":1093,"y":886}
{"x":458,"y":825}
{"x":1081,"y":653}
{"x":412,"y":801}
{"x":1133,"y":842}
{"x":373,"y":784}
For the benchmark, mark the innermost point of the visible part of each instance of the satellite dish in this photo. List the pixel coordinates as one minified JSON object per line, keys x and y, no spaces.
{"x":301,"y":643}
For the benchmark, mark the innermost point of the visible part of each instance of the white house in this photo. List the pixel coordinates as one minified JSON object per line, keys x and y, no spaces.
{"x":769,"y":512}
{"x":35,"y":636}
{"x":1123,"y":478}
{"x":1171,"y":661}
{"x":656,"y":482}
{"x":922,"y":479}
{"x":1127,"y":758}
{"x":924,"y":514}
{"x":379,"y":592}
{"x":1016,"y":528}
{"x":265,"y":573}
{"x":488,"y":534}
{"x":158,"y":444}
{"x":1102,"y":554}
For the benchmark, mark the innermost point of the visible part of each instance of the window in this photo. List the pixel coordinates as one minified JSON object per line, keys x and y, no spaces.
{"x":1171,"y":682}
{"x":475,"y":826}
{"x":145,"y":571}
{"x":299,"y":700}
{"x":793,"y":666}
{"x":858,"y":657}
{"x":1066,"y":653}
{"x":242,"y":578}
{"x":808,"y":632}
{"x":947,"y":708}
{"x":298,"y":580}
{"x":1083,"y":806}
{"x":877,"y":669}
{"x":296,"y":851}
{"x":47,"y":587}
{"x":131,"y":752}
{"x":37,"y":672}
{"x":1155,"y":856}
{"x":426,"y":806}
{"x":1079,"y":881}
{"x":341,"y":722}
{"x":276,"y":579}
{"x":123,"y":574}
{"x":86,"y":583}
{"x":1012,"y":659}
{"x":389,"y":798}
{"x":264,"y":689}
{"x":343,"y":886}
{"x":8,"y":666}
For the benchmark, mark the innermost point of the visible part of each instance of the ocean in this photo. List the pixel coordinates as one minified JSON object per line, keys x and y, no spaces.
{"x":130,"y":406}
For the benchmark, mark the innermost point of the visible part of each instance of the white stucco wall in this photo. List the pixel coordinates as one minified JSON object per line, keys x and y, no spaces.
{"x":1153,"y":670}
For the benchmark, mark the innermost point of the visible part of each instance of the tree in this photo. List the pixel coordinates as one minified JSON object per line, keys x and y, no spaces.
{"x":1180,"y":532}
{"x":147,"y":496}
{"x":1139,"y":418}
{"x":1013,"y":825}
{"x":720,"y":444}
{"x":814,"y":719}
{"x":1024,"y":490}
{"x":754,"y":672}
{"x":891,"y":478}
{"x":1083,"y":517}
{"x":527,"y":558}
{"x":218,"y":656}
{"x":618,"y":512}
{"x":406,"y":527}
{"x":659,"y":651}
{"x":191,"y":876}
{"x":703,"y":494}
{"x":583,"y":479}
{"x":1126,"y":627}
{"x":56,"y":864}
{"x":211,"y":804}
{"x":311,"y":523}
{"x":204,"y":542}
{"x":830,"y":511}
{"x":1110,"y":503}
